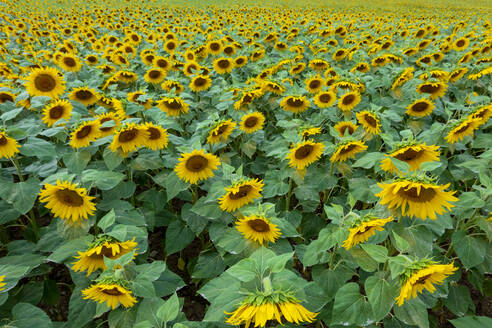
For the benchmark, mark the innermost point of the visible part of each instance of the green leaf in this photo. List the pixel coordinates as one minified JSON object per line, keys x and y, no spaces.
{"x":469,"y":249}
{"x":430,"y":166}
{"x":122,"y":317}
{"x":363,"y":259}
{"x":400,"y":165}
{"x":413,"y":312}
{"x":144,"y":288}
{"x":112,"y":160}
{"x":38,"y":148}
{"x":77,"y":161}
{"x":381,"y":296}
{"x":369,"y":160}
{"x":151,"y":271}
{"x":120,"y":261}
{"x":26,"y":315}
{"x":210,"y":264}
{"x":210,"y":210}
{"x":249,"y":148}
{"x":174,"y":185}
{"x":169,"y":310}
{"x":378,"y":253}
{"x":107,"y":220}
{"x":398,"y":265}
{"x":178,"y":236}
{"x":277,"y":263}
{"x":23,"y":194}
{"x":472,"y":322}
{"x":147,"y":312}
{"x":80,"y":311}
{"x":244,"y":270}
{"x":104,"y":180}
{"x":223,"y":294}
{"x":350,"y":307}
{"x":70,"y":248}
{"x":13,"y":273}
{"x":400,"y":243}
{"x":459,"y":300}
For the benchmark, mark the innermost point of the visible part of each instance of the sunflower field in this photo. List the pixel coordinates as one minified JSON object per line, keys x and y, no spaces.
{"x":245,"y":163}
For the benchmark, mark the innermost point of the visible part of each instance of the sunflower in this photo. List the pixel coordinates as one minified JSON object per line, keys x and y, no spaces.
{"x":364,"y":230}
{"x":310,"y":132}
{"x":106,"y":117}
{"x":297,"y":68}
{"x":304,"y":154}
{"x":416,"y":197}
{"x":346,"y":150}
{"x":295,"y":104}
{"x":465,"y":127}
{"x":134,"y":98}
{"x":57,"y":110}
{"x":420,"y":107}
{"x":46,"y":81}
{"x":240,"y":194}
{"x":191,"y":68}
{"x":105,"y":246}
{"x":339,"y":54}
{"x":129,"y":137}
{"x":2,"y":283}
{"x":6,"y":96}
{"x":8,"y":146}
{"x":260,"y":308}
{"x":155,"y":75}
{"x":214,"y":47}
{"x":223,"y":65}
{"x":347,"y":126}
{"x":314,"y":84}
{"x":252,"y":122}
{"x":318,"y":64}
{"x":221,"y":132}
{"x":369,"y":121}
{"x":349,"y":100}
{"x":482,"y":114}
{"x":84,"y":133}
{"x":66,"y":201}
{"x":84,"y":95}
{"x":240,"y":61}
{"x":414,"y":155}
{"x":325,"y":99}
{"x":157,"y":136}
{"x":424,"y":278}
{"x":200,"y":83}
{"x":172,"y":106}
{"x":162,"y":62}
{"x":273,"y":87}
{"x":196,"y":166}
{"x":361,"y":68}
{"x":461,"y":44}
{"x":91,"y":60}
{"x":457,"y":74}
{"x":111,"y":293}
{"x":434,"y":89}
{"x":258,"y":229}
{"x":172,"y":86}
{"x":70,"y":63}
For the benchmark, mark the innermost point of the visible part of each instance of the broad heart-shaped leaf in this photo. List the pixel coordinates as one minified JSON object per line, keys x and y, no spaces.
{"x":26,"y":315}
{"x":12,"y":274}
{"x":244,"y":270}
{"x":122,"y":317}
{"x":381,"y":295}
{"x":38,"y":147}
{"x":223,"y":294}
{"x":207,"y":209}
{"x":104,"y":180}
{"x":210,"y":264}
{"x":277,"y":263}
{"x":472,"y":321}
{"x":22,"y":195}
{"x":107,"y":220}
{"x":378,"y":253}
{"x":350,"y":307}
{"x":178,"y":236}
{"x":261,"y":257}
{"x":80,"y":311}
{"x":413,"y":312}
{"x":147,"y":311}
{"x":470,"y":250}
{"x":169,"y":310}
{"x":369,"y":160}
{"x":459,"y":300}
{"x":70,"y":248}
{"x":174,"y":185}
{"x":400,"y":165}
{"x":77,"y":161}
{"x":151,"y":271}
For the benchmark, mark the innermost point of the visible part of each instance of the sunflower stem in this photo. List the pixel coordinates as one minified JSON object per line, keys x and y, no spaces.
{"x":289,"y":195}
{"x":194,"y":193}
{"x":267,"y":285}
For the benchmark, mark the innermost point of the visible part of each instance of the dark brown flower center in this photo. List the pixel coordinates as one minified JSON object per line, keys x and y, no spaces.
{"x":173,"y":104}
{"x":347,"y":100}
{"x":425,"y":60}
{"x":69,"y":197}
{"x":150,"y":58}
{"x":3,"y":140}
{"x":113,"y":291}
{"x":223,"y":63}
{"x":222,"y":128}
{"x":44,"y":82}
{"x":259,"y":225}
{"x":171,"y":45}
{"x":243,"y":192}
{"x":425,"y":195}
{"x":303,"y":151}
{"x":420,"y":107}
{"x":344,"y":128}
{"x":251,"y":121}
{"x":214,"y":46}
{"x":69,"y":61}
{"x":56,"y":112}
{"x":339,"y":53}
{"x":239,"y":61}
{"x":325,"y":98}
{"x":5,"y":97}
{"x":154,"y":74}
{"x":463,"y":128}
{"x":410,"y":154}
{"x":347,"y":149}
{"x":196,"y":163}
{"x":128,"y":135}
{"x":315,"y":84}
{"x":200,"y":81}
{"x":83,"y":94}
{"x":161,"y":63}
{"x":371,"y":120}
{"x":84,"y":132}
{"x":92,"y":59}
{"x":423,"y":279}
{"x":460,"y":43}
{"x":154,"y":133}
{"x":363,"y":230}
{"x":295,"y":102}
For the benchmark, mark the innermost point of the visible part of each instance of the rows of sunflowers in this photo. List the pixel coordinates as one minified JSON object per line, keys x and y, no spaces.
{"x":253,"y":165}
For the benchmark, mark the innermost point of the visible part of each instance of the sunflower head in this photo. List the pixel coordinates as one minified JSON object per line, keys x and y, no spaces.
{"x":129,"y":137}
{"x":305,"y":153}
{"x":84,"y":95}
{"x":252,"y":122}
{"x":57,"y":110}
{"x":200,"y":83}
{"x":84,"y":133}
{"x":258,"y":229}
{"x":8,"y":146}
{"x":370,"y":121}
{"x":221,"y":132}
{"x":112,"y":291}
{"x":196,"y":166}
{"x":45,"y":81}
{"x":420,"y":107}
{"x":347,"y":149}
{"x":345,"y":128}
{"x":172,"y":106}
{"x":349,"y":100}
{"x":295,"y":104}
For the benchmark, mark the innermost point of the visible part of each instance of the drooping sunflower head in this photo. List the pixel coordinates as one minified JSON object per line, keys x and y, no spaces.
{"x":200,"y":83}
{"x":349,"y":100}
{"x":417,"y":196}
{"x":319,"y":64}
{"x":114,"y":293}
{"x":84,"y":133}
{"x":129,"y":137}
{"x":157,"y":137}
{"x":434,"y":89}
{"x":420,"y":107}
{"x":172,"y":106}
{"x":258,"y":229}
{"x":273,"y":87}
{"x":457,"y":74}
{"x":346,"y":150}
{"x":67,"y":201}
{"x":46,"y":81}
{"x":240,"y":194}
{"x":196,"y":166}
{"x":8,"y":146}
{"x":84,"y":95}
{"x":221,"y":132}
{"x":295,"y":104}
{"x":57,"y":110}
{"x":412,"y":153}
{"x":464,"y":127}
{"x":370,"y":121}
{"x":252,"y":122}
{"x":155,"y":75}
{"x":482,"y":114}
{"x":126,"y":76}
{"x":104,"y":246}
{"x":345,"y":128}
{"x":362,"y":230}
{"x":304,"y":154}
